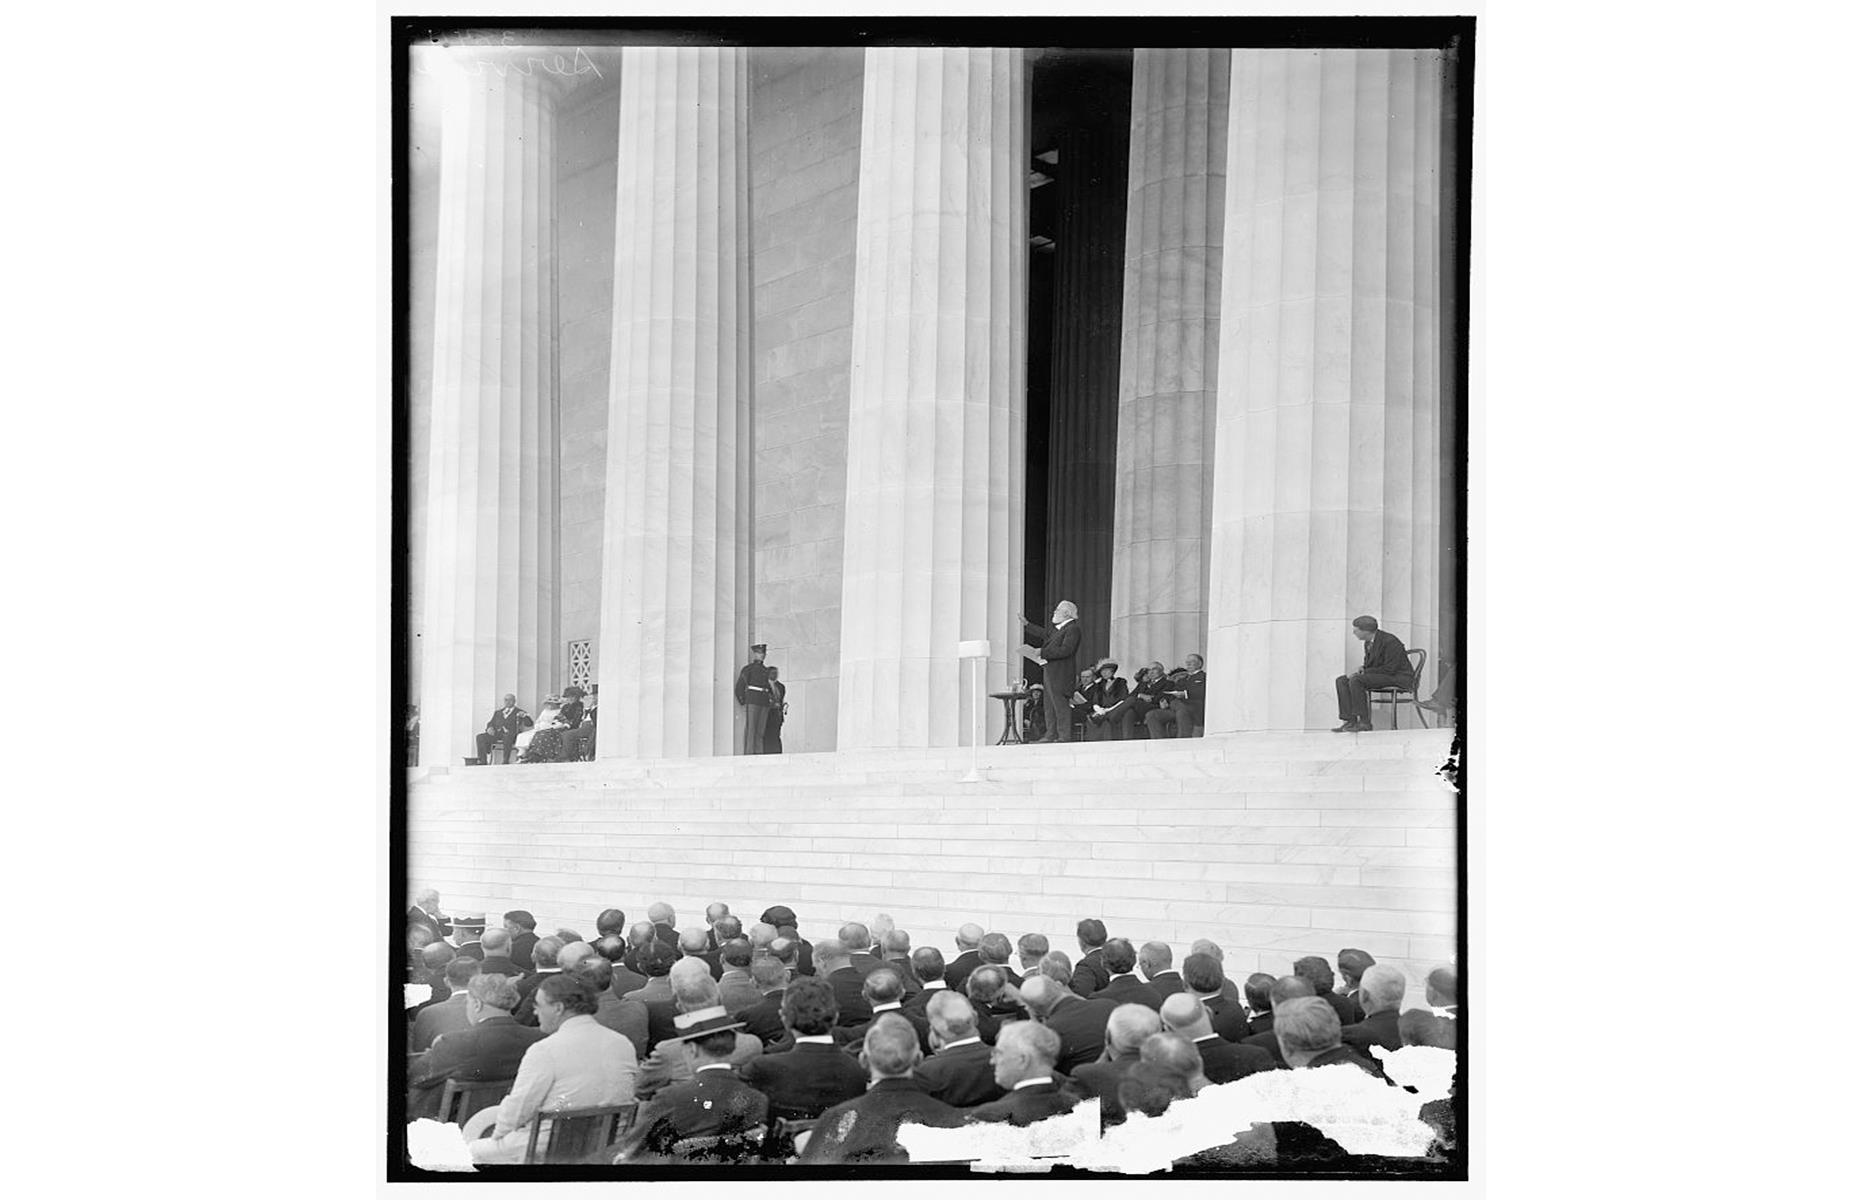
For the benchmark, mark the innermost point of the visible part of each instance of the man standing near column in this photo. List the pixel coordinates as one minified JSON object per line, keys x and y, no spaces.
{"x":1385,"y":664}
{"x":752,"y":692}
{"x":778,"y":711}
{"x":1059,"y":651}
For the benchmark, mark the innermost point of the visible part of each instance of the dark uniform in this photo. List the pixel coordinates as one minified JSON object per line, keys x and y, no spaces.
{"x":778,"y":711}
{"x":752,"y":692}
{"x":1059,"y":650}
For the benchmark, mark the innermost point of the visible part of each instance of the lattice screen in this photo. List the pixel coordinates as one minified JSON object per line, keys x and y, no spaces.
{"x":581,"y":663}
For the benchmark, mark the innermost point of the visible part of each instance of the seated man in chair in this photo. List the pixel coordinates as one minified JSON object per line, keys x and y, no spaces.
{"x":1385,"y":664}
{"x":502,"y":729}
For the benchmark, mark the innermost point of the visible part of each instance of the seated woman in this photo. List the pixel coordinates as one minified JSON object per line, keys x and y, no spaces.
{"x":1125,"y":717}
{"x":1106,"y":690}
{"x":1033,"y":714}
{"x":542,"y":742}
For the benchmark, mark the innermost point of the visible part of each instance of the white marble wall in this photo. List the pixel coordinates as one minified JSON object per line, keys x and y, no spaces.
{"x":936,"y":436}
{"x":1326,"y":501}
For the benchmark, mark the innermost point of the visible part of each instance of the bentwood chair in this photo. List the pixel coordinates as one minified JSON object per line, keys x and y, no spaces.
{"x":574,"y":1133}
{"x":461,"y":1096}
{"x":1395,"y":695}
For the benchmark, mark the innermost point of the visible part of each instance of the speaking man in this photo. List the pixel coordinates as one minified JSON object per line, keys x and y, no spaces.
{"x":1059,"y":651}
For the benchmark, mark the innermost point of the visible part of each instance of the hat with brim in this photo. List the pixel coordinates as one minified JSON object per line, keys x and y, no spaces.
{"x":468,"y":921}
{"x":703,"y":1022}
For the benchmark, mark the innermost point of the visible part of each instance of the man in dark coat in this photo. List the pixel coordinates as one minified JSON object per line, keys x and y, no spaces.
{"x":1123,"y":1042}
{"x":1309,"y":1036}
{"x":1186,"y":690}
{"x":490,"y":1047}
{"x":927,"y":965}
{"x":1024,"y":1065}
{"x":1202,"y":977}
{"x":960,"y":1072}
{"x":1314,"y":970}
{"x":783,"y":919}
{"x":467,"y":929}
{"x":1284,"y":988}
{"x":1058,"y":651}
{"x":752,"y":692}
{"x":763,"y":1018}
{"x":1088,"y":974}
{"x":968,"y":956}
{"x":713,"y":1103}
{"x":846,"y":980}
{"x":1259,"y":1002}
{"x":815,"y":1074}
{"x":1120,"y":960}
{"x":425,"y":912}
{"x":865,"y":1129}
{"x":497,"y":960}
{"x":778,"y":713}
{"x":1078,"y":1022}
{"x":1383,"y":990}
{"x":1350,"y":967}
{"x":1154,"y":961}
{"x":502,"y":729}
{"x":1222,"y":1061}
{"x":521,"y":927}
{"x":1385,"y":664}
{"x":884,"y":992}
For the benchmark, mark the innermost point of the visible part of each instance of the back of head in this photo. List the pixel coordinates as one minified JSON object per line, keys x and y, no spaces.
{"x":1173,"y":1051}
{"x":596,"y":972}
{"x":735,"y":955}
{"x":884,"y":986}
{"x":1151,"y":1087}
{"x":573,"y":953}
{"x":995,"y":948}
{"x":830,"y":954}
{"x":1054,"y":965}
{"x":610,"y":923}
{"x":786,"y":951}
{"x":715,"y":911}
{"x":1384,"y":988}
{"x":655,"y":959}
{"x":436,"y":956}
{"x":856,"y":937}
{"x":897,"y":944}
{"x":1155,"y":958}
{"x":568,"y":935}
{"x":611,"y":947}
{"x":571,"y":993}
{"x":495,"y":942}
{"x":952,"y":1014}
{"x":1443,"y":986}
{"x":1120,"y":957}
{"x":1205,"y":946}
{"x":1201,"y":973}
{"x":985,"y":985}
{"x":1185,"y":1015}
{"x":1419,"y":1027}
{"x":692,"y":990}
{"x":419,"y":937}
{"x":693,"y":939}
{"x":767,"y":972}
{"x":808,"y":1007}
{"x":891,"y":1048}
{"x":1033,"y":947}
{"x":1035,"y":1039}
{"x":1039,"y":993}
{"x":1091,"y":933}
{"x":969,"y":936}
{"x":500,"y":991}
{"x":761,"y":934}
{"x":543,"y":953}
{"x":522,"y":919}
{"x":714,"y":1047}
{"x":660,"y":913}
{"x":1352,"y":963}
{"x":1258,"y":991}
{"x":1289,"y":987}
{"x":927,"y":964}
{"x":1306,"y":1025}
{"x":639,"y":933}
{"x":1316,"y":970}
{"x":728,"y":928}
{"x":1130,"y":1024}
{"x":459,"y":972}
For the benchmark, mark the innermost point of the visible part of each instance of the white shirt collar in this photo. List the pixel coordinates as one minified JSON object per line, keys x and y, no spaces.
{"x":1205,"y":1037}
{"x":1027,"y":1083}
{"x":934,"y":984}
{"x":893,"y":1006}
{"x":815,"y":1039}
{"x":714,"y":1067}
{"x":968,"y":1041}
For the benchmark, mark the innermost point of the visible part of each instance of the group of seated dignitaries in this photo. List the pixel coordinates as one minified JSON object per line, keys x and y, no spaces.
{"x":724,"y":1035}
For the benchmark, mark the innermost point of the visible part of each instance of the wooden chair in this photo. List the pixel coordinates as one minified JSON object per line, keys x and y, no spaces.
{"x":574,"y":1133}
{"x":461,"y":1096}
{"x":1395,"y":695}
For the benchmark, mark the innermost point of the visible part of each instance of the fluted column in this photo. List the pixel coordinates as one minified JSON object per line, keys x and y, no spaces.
{"x":936,"y":438}
{"x":1088,"y":292}
{"x":675,"y":587}
{"x":489,"y":625}
{"x":1326,"y":488}
{"x":1171,"y":339}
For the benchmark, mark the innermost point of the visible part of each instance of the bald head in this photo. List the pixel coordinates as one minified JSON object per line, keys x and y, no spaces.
{"x":1305,"y":1027}
{"x":1185,"y":1015}
{"x":891,"y":1048}
{"x":1129,"y":1025}
{"x":688,"y":968}
{"x":660,"y":913}
{"x":639,"y":934}
{"x":969,"y":936}
{"x":495,"y":942}
{"x":543,"y":953}
{"x":1154,"y":958}
{"x":1175,"y":1052}
{"x":1040,"y":994}
{"x":693,"y":990}
{"x":883,"y":986}
{"x":830,"y":954}
{"x":574,"y":952}
{"x":761,"y":934}
{"x":1383,"y":989}
{"x":995,"y":949}
{"x":436,"y":956}
{"x":897,"y":944}
{"x":693,"y":939}
{"x":856,"y":937}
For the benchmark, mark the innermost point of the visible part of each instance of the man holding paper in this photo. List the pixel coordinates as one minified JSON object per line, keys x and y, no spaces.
{"x":1058,"y":650}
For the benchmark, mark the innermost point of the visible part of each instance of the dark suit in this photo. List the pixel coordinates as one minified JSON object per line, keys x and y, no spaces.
{"x":1345,"y":1010}
{"x":853,"y":1036}
{"x":865,"y":1130}
{"x":712,"y":959}
{"x":526,"y":995}
{"x":752,"y":692}
{"x":865,"y":963}
{"x":1059,"y":651}
{"x":807,"y":1080}
{"x":919,"y":1000}
{"x":1025,"y":1106}
{"x":961,"y":1075}
{"x":1223,"y":1062}
{"x":849,"y":989}
{"x":502,"y":730}
{"x":440,"y":927}
{"x":499,"y":964}
{"x":1260,"y":1024}
{"x":1188,"y":704}
{"x":1269,"y":1042}
{"x":1385,"y":664}
{"x":1167,"y":984}
{"x":1128,"y":989}
{"x":713,"y":1103}
{"x":1343,"y":1055}
{"x":626,"y":981}
{"x":491,"y":1049}
{"x":627,"y":1018}
{"x":523,"y":949}
{"x":1100,"y":1079}
{"x":1089,"y":975}
{"x":1227,"y":1017}
{"x":763,"y":1019}
{"x":912,"y":984}
{"x":1080,"y":1026}
{"x":1376,"y":1029}
{"x":956,"y":974}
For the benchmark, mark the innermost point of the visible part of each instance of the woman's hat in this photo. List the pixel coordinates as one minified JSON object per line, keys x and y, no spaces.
{"x":1103,"y":663}
{"x":574,"y":690}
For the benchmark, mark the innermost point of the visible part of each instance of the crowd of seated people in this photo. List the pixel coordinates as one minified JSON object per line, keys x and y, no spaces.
{"x":752,"y":1043}
{"x":1106,"y":707}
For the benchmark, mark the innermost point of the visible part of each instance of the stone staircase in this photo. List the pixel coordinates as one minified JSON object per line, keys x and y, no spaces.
{"x":1273,"y":845}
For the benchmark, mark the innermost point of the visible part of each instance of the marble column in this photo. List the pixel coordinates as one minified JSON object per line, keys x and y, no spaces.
{"x":1088,"y":293}
{"x":1326,"y":488}
{"x":675,"y":586}
{"x":936,"y":439}
{"x":1171,"y":339}
{"x":489,"y":624}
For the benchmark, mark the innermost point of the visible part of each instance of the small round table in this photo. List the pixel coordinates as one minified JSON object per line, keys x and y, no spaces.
{"x":1010,"y":735}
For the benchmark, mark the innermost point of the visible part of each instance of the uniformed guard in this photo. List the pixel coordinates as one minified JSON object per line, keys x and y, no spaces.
{"x":752,"y":692}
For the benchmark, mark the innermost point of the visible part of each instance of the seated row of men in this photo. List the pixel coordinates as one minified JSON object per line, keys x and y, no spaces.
{"x":1105,"y":706}
{"x":722,"y":1041}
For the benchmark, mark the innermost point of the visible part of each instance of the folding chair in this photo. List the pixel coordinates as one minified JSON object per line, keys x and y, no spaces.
{"x":1395,"y":695}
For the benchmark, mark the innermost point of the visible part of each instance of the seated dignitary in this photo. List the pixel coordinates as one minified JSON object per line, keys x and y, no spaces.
{"x":1310,"y":1035}
{"x":1145,"y":697}
{"x":1088,"y":973}
{"x":1315,"y":971}
{"x":1383,"y":990}
{"x":968,"y":956}
{"x":447,"y":1016}
{"x":834,"y":962}
{"x":694,"y":992}
{"x":711,"y":1104}
{"x":762,"y":1019}
{"x":1202,"y":978}
{"x":927,"y":965}
{"x":960,"y":1071}
{"x":1080,"y":702}
{"x":1385,"y":664}
{"x":578,"y":1064}
{"x":490,"y":1047}
{"x":1350,"y":967}
{"x":1033,"y":715}
{"x":1120,"y":960}
{"x":735,"y":987}
{"x":502,"y":729}
{"x":497,"y":960}
{"x":865,"y":1129}
{"x":1123,"y":1038}
{"x":1078,"y":1022}
{"x":1106,"y":692}
{"x":625,"y":1017}
{"x":1154,"y":961}
{"x":1024,"y":1055}
{"x":814,"y":1074}
{"x":1443,"y":992}
{"x":1222,"y":1061}
{"x":577,"y":724}
{"x":884,"y":992}
{"x":1286,"y":987}
{"x":1185,"y":696}
{"x":544,"y":954}
{"x":426,"y":911}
